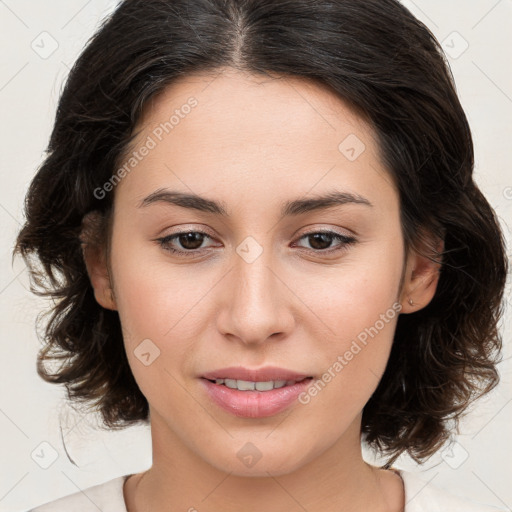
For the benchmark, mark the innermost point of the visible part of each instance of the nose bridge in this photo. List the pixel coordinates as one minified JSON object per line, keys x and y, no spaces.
{"x":255,"y":280}
{"x":257,"y":307}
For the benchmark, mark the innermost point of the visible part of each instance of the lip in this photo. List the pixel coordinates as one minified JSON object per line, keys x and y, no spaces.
{"x":254,"y":404}
{"x":260,"y":375}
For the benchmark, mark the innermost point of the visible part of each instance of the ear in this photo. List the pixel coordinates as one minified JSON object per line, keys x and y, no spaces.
{"x":95,"y":258}
{"x":421,"y":274}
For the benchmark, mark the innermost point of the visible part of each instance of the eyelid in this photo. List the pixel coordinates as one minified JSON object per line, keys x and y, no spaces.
{"x":165,"y":241}
{"x":345,"y":239}
{"x":330,"y":230}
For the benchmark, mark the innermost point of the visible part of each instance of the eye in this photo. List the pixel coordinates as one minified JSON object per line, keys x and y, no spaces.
{"x":320,"y":241}
{"x":190,"y":241}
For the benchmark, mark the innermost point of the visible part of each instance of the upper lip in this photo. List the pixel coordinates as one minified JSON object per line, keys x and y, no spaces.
{"x":265,"y":374}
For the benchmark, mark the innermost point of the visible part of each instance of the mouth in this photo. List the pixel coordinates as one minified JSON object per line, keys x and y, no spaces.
{"x":248,"y":385}
{"x":250,"y":375}
{"x":260,"y":397}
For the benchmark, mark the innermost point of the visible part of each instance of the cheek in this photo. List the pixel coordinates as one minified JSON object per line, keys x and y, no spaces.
{"x":154,"y":298}
{"x":157,"y":304}
{"x":353,"y":295}
{"x":358,"y":305}
{"x":158,"y":320}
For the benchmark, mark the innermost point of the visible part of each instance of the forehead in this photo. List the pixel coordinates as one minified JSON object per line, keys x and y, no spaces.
{"x":236,"y":104}
{"x":233,"y":129}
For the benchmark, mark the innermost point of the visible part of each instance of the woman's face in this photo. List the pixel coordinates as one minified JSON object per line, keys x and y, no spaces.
{"x":257,"y":288}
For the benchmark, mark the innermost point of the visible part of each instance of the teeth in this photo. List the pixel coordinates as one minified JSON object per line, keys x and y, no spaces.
{"x":272,"y":384}
{"x":245,"y":385}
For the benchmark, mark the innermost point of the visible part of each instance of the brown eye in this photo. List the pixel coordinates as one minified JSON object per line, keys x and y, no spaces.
{"x":189,"y":242}
{"x":321,"y":241}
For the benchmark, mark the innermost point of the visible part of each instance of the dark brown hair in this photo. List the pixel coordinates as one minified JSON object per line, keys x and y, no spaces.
{"x":376,"y":56}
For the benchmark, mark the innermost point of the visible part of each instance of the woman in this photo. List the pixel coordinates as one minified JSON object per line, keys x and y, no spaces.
{"x":261,"y":223}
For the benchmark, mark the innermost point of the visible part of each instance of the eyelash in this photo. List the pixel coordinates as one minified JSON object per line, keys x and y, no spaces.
{"x":346,"y":241}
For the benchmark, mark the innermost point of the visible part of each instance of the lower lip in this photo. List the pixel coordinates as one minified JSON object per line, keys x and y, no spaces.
{"x":255,"y":404}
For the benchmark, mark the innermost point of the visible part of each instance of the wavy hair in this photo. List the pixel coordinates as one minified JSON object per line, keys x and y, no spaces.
{"x":376,"y":56}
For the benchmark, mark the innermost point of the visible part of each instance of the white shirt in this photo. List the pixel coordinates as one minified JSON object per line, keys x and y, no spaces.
{"x":420,"y":496}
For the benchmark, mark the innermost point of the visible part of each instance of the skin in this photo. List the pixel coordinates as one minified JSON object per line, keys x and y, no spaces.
{"x":253,"y":143}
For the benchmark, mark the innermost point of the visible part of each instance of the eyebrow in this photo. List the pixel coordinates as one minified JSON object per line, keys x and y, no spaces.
{"x":290,"y":208}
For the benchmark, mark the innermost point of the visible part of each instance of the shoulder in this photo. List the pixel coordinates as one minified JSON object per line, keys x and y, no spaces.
{"x":107,"y":497}
{"x":422,"y":496}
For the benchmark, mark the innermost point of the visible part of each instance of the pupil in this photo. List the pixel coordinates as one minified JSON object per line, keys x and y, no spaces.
{"x":191,"y":240}
{"x":325,"y":237}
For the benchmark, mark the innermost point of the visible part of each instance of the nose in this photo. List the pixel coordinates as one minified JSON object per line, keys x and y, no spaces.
{"x":256,"y":302}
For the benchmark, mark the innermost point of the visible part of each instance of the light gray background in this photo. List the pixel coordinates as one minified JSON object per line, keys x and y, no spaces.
{"x":477,"y":466}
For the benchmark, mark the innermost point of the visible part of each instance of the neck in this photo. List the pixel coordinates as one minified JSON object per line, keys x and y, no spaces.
{"x":337,"y":480}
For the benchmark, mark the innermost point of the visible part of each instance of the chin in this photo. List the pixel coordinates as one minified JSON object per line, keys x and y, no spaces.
{"x":249,"y":461}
